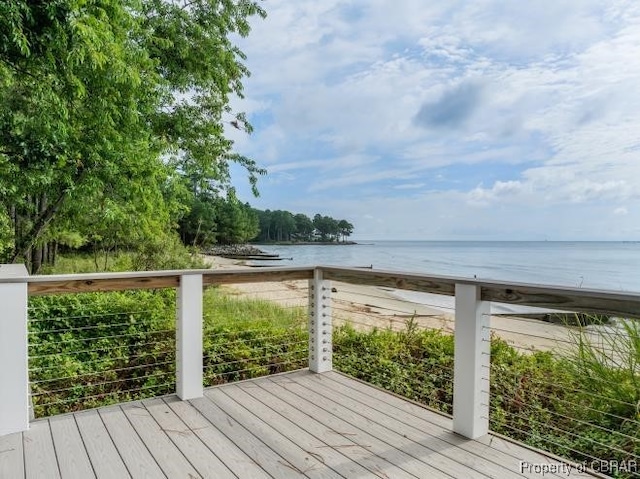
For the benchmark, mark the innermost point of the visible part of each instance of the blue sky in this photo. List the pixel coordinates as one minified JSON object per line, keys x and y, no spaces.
{"x":478,"y":119}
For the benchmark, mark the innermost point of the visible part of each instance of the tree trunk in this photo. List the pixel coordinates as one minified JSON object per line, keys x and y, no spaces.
{"x":36,"y":259}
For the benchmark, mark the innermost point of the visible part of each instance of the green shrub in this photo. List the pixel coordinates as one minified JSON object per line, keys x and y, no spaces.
{"x":583,"y":405}
{"x":93,"y":349}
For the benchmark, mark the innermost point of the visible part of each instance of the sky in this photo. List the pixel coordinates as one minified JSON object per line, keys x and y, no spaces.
{"x":451,"y":120}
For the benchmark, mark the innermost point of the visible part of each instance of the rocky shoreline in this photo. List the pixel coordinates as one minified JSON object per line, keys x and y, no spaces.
{"x":234,"y":250}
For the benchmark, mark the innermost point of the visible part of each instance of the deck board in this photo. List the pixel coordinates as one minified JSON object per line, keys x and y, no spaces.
{"x":494,"y":449}
{"x":327,"y":428}
{"x":203,"y":459}
{"x":414,"y":457}
{"x":231,"y":455}
{"x":424,"y":434}
{"x":302,"y":461}
{"x":329,"y":456}
{"x":72,"y":456}
{"x":139,"y":461}
{"x":11,"y":456}
{"x":39,"y":452}
{"x":104,"y":456}
{"x":292,"y":425}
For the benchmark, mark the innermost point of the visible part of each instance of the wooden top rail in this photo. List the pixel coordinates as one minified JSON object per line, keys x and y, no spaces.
{"x":85,"y":283}
{"x":553,"y":297}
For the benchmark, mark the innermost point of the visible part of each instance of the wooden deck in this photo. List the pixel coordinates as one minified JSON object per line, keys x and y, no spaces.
{"x":292,"y":425}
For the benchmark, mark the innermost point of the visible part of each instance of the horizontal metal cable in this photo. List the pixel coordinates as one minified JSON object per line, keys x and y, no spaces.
{"x":91,"y":316}
{"x":85,"y":328}
{"x":448,"y":376}
{"x":141,"y":333}
{"x":112,"y":393}
{"x":395,"y":300}
{"x":549,"y":441}
{"x":575,"y":389}
{"x":242,"y":294}
{"x":262,"y":338}
{"x":227,"y":373}
{"x":207,"y":331}
{"x":583,"y":406}
{"x":104,"y":383}
{"x":103,"y":348}
{"x":256,"y":358}
{"x":108,"y":359}
{"x":97,"y":373}
{"x":381,"y":323}
{"x":385,"y":308}
{"x":563,"y":431}
{"x":273,"y":299}
{"x":262,"y":347}
{"x":529,"y":335}
{"x":580,"y":421}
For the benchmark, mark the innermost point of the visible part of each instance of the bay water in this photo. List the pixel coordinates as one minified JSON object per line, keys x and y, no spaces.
{"x":594,"y":265}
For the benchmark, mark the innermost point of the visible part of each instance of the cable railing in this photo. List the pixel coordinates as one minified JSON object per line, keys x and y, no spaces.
{"x":93,"y":349}
{"x":570,"y":389}
{"x":575,"y":392}
{"x":255,"y":329}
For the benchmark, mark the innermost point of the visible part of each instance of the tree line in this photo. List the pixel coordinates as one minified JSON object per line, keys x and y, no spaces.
{"x":213,"y":219}
{"x":282,"y":225}
{"x":113,"y":118}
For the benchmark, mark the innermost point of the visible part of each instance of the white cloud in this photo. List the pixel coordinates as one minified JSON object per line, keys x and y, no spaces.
{"x":339,"y":84}
{"x":621,"y":211}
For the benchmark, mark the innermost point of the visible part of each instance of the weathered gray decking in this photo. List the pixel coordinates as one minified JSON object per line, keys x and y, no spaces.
{"x":293,"y":425}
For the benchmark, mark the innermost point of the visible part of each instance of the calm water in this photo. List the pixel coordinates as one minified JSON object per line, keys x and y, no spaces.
{"x":600,"y":265}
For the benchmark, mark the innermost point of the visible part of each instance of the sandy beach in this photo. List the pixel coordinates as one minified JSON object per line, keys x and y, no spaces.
{"x":367,"y":307}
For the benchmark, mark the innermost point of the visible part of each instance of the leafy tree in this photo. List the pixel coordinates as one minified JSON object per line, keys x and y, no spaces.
{"x":304,"y":227}
{"x":345,"y":229}
{"x":236,"y":222}
{"x":326,"y":227}
{"x":284,"y":225}
{"x":264,"y":222}
{"x":103,"y":100}
{"x":198,"y":227}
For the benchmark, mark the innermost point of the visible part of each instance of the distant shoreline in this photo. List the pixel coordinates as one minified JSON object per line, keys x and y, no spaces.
{"x":306,"y":243}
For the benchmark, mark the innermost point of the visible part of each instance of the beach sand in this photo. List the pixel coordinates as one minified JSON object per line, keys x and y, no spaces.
{"x":366,"y":307}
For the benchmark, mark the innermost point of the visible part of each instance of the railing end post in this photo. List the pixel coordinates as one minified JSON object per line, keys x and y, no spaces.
{"x":14,"y":360}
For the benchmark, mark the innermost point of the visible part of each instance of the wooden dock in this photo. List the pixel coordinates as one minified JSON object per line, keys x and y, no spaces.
{"x":292,"y":425}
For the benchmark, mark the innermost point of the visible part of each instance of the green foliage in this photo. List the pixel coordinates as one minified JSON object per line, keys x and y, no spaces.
{"x":6,"y":237}
{"x":105,"y":103}
{"x":214,"y":219}
{"x":236,"y":222}
{"x":251,"y":338}
{"x":93,"y":349}
{"x":582,"y":405}
{"x":165,"y":253}
{"x":417,"y":364}
{"x":282,"y":225}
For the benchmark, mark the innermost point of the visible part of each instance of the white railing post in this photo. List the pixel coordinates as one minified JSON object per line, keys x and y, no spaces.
{"x":189,"y":337}
{"x":320,"y":328}
{"x":14,"y":368}
{"x":471,"y":363}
